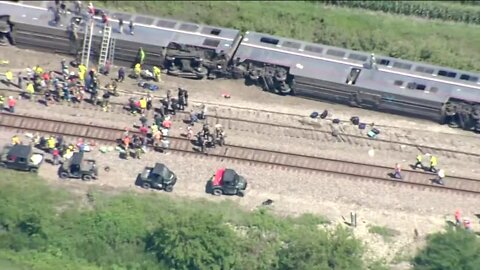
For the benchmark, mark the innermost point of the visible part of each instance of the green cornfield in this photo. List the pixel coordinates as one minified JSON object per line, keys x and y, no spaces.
{"x":469,"y":12}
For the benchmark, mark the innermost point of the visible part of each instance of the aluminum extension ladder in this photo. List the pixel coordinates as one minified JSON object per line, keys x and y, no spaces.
{"x":104,"y":49}
{"x":87,"y":43}
{"x":111,"y":52}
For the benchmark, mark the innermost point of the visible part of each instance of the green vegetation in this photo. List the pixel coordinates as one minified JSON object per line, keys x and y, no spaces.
{"x":425,"y":9}
{"x":437,"y":42}
{"x":451,"y":250}
{"x":386,"y":233}
{"x":46,"y":228}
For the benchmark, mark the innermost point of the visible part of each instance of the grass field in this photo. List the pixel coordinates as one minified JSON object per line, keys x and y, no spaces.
{"x":437,"y":42}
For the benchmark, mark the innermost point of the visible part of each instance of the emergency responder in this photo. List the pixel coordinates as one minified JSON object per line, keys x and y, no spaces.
{"x":156,"y":74}
{"x":9,"y":77}
{"x":51,"y":143}
{"x":137,"y":70}
{"x":398,"y":170}
{"x":143,"y":105}
{"x":121,"y":74}
{"x":106,"y":101}
{"x":130,"y":25}
{"x":141,"y":56}
{"x":120,"y":25}
{"x":440,"y":176}
{"x":419,"y":164}
{"x":433,"y":163}
{"x":16,"y":140}
{"x":30,"y":91}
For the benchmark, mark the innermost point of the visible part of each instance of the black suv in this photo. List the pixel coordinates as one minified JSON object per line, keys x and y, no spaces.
{"x":159,"y":177}
{"x":78,"y":167}
{"x":21,"y":157}
{"x":228,"y":182}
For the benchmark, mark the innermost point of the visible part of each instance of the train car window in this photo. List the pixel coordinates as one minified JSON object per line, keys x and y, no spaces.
{"x":424,"y":70}
{"x":143,"y":20}
{"x":166,"y":24}
{"x":420,"y":87}
{"x":398,"y":83}
{"x":211,"y":31}
{"x":293,"y":45}
{"x":189,"y":27}
{"x":467,"y":77}
{"x":268,"y":40}
{"x":314,"y":49}
{"x":358,"y":57}
{"x":211,"y":42}
{"x":433,"y":89}
{"x":447,"y":73}
{"x":336,"y":53}
{"x":411,"y":85}
{"x":402,"y":65}
{"x":383,"y":62}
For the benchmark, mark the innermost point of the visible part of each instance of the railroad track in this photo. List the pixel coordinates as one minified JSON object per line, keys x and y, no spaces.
{"x":234,"y":153}
{"x":318,"y":134}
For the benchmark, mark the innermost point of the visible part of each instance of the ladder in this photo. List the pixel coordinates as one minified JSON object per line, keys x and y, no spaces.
{"x":111,"y":51}
{"x":87,"y":43}
{"x":107,"y":32}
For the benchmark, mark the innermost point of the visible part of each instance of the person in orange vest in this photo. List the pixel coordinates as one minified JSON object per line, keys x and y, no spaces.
{"x":126,"y":146}
{"x":458,"y":217}
{"x":397,"y":173}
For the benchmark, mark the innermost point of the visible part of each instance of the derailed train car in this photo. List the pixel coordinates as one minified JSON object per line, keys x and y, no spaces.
{"x":317,"y":71}
{"x":185,"y":49}
{"x":280,"y":65}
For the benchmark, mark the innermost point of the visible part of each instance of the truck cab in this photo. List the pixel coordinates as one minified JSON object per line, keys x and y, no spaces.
{"x":158,"y":177}
{"x":79,"y":167}
{"x":21,"y":157}
{"x":228,"y":182}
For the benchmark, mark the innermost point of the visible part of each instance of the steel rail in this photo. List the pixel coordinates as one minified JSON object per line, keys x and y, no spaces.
{"x":269,"y":158}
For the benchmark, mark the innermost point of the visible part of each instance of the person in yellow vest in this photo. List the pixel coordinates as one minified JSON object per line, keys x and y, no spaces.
{"x":140,"y":56}
{"x":51,"y":142}
{"x":419,"y":164}
{"x":137,"y":70}
{"x":30,"y":90}
{"x":143,"y":105}
{"x":9,"y":77}
{"x":433,"y":163}
{"x":156,"y":73}
{"x":15,"y":140}
{"x":82,"y":70}
{"x":38,"y":70}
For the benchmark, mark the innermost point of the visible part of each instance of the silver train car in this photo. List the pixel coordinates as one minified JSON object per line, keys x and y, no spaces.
{"x":323,"y":72}
{"x":281,"y":65}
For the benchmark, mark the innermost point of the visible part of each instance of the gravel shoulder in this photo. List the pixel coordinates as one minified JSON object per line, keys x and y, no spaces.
{"x":394,"y":206}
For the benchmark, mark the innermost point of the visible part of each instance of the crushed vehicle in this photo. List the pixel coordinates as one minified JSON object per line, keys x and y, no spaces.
{"x":228,"y":182}
{"x":159,"y":177}
{"x":79,"y":167}
{"x":21,"y":157}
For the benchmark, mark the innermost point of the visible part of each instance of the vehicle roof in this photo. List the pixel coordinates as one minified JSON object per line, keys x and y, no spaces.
{"x":77,"y":158}
{"x":229,"y":175}
{"x":159,"y":168}
{"x":20,"y":150}
{"x":149,"y":30}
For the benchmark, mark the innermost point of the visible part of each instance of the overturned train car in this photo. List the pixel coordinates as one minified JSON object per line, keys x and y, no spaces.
{"x":184,"y":49}
{"x":322,"y":72}
{"x":281,"y":65}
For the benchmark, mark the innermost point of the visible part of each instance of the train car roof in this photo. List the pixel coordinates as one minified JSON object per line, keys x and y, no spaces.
{"x":148,"y":30}
{"x":349,"y":57}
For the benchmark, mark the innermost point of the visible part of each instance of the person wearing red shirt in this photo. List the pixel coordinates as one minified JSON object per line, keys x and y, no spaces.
{"x":11,"y":104}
